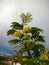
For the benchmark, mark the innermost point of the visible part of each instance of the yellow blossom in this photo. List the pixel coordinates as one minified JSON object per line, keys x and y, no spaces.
{"x":26,"y":29}
{"x":17,"y":33}
{"x":44,"y":55}
{"x":26,"y":36}
{"x":45,"y":51}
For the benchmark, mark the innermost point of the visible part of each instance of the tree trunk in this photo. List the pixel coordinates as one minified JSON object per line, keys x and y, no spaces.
{"x":29,"y":55}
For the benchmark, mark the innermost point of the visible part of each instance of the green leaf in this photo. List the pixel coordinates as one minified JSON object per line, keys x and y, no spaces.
{"x":37,"y":49}
{"x":22,"y":16}
{"x":36,"y":34}
{"x":18,"y":46}
{"x":36,"y":30}
{"x":41,"y":46}
{"x":22,"y":50}
{"x":40,"y":38}
{"x":28,"y":62}
{"x":26,"y":17}
{"x":16,"y":25}
{"x":14,"y":41}
{"x":10,"y":32}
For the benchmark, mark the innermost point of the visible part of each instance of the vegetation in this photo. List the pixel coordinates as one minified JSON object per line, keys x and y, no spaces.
{"x":2,"y":63}
{"x":28,"y":39}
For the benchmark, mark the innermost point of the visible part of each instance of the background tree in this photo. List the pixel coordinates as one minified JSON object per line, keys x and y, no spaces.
{"x":27,"y":38}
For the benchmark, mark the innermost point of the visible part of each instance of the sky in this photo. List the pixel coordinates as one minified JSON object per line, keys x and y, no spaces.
{"x":10,"y":11}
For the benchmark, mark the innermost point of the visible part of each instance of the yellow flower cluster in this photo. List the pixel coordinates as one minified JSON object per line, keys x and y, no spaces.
{"x":44,"y":55}
{"x":26,"y":36}
{"x":24,"y":32}
{"x":26,"y":29}
{"x":17,"y":33}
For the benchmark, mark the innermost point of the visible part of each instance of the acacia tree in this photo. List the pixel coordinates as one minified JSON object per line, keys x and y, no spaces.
{"x":28,"y":38}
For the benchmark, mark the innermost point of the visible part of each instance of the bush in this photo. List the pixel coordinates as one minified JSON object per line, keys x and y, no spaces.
{"x":35,"y":61}
{"x":2,"y":63}
{"x":28,"y":62}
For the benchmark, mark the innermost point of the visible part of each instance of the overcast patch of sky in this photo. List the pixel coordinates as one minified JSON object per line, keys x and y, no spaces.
{"x":10,"y":11}
{"x":7,"y":9}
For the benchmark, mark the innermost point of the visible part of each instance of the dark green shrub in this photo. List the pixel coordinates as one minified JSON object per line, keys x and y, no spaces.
{"x":2,"y":63}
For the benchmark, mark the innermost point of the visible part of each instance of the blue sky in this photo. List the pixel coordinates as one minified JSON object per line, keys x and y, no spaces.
{"x":10,"y":11}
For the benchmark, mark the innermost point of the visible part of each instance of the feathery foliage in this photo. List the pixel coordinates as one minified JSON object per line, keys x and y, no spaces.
{"x":29,"y":38}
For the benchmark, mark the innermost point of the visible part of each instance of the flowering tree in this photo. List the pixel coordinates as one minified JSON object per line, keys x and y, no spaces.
{"x":28,"y":38}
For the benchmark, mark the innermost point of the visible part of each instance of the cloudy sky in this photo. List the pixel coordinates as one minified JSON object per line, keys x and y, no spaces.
{"x":10,"y":11}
